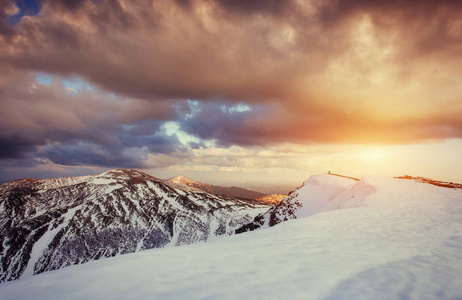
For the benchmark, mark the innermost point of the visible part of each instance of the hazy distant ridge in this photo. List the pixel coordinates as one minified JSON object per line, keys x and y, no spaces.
{"x":217,"y":190}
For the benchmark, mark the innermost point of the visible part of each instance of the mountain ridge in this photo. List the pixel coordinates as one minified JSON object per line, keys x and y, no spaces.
{"x":233,"y":191}
{"x":47,"y":224}
{"x":311,"y":198}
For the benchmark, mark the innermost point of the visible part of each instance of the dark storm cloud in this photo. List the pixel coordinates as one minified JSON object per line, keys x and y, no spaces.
{"x":275,"y":7}
{"x":129,"y":150}
{"x":15,"y":147}
{"x":90,"y":155}
{"x":144,"y":135}
{"x":68,"y":5}
{"x":213,"y":121}
{"x":80,"y":128}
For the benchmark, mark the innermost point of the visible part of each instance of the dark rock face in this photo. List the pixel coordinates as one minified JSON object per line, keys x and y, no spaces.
{"x":49,"y":224}
{"x":285,"y":210}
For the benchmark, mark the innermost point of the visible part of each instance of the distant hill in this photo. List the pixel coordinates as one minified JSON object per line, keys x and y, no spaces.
{"x":216,"y":190}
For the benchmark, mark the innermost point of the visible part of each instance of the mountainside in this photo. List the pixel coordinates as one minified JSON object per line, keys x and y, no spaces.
{"x":397,"y":239}
{"x":217,"y":190}
{"x":319,"y":193}
{"x":324,"y":192}
{"x":49,"y":224}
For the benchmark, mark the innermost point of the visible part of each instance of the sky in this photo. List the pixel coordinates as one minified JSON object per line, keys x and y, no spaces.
{"x":260,"y":94}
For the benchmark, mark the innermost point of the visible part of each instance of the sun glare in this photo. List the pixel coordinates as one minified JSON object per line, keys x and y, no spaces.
{"x":374,"y":155}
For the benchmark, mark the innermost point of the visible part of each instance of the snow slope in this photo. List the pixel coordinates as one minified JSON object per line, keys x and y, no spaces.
{"x":394,"y":239}
{"x":319,"y":193}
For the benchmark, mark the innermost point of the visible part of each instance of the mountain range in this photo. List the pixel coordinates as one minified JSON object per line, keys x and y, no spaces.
{"x":47,"y":224}
{"x":233,"y":191}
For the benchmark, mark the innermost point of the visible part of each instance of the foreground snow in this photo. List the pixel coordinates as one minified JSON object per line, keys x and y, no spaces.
{"x":402,"y":240}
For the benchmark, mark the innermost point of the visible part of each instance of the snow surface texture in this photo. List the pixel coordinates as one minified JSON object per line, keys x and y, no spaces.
{"x":402,"y":240}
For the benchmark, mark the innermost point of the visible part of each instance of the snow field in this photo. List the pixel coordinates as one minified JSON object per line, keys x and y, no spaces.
{"x":404,"y":241}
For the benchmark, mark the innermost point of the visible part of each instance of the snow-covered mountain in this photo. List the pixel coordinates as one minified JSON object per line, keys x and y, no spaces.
{"x":49,"y":224}
{"x":216,"y":190}
{"x":321,"y":193}
{"x":397,"y":239}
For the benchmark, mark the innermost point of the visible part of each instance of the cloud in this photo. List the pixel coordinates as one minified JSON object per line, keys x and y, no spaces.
{"x":331,"y":61}
{"x":266,"y":125}
{"x":89,"y":127}
{"x":274,"y":7}
{"x":343,"y":71}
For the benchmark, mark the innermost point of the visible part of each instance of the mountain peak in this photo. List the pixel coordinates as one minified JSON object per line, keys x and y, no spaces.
{"x":180,"y":179}
{"x":123,"y":175}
